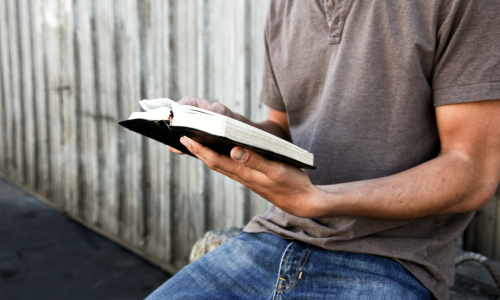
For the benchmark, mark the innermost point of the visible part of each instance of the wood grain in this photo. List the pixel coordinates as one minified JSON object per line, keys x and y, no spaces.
{"x":69,"y":97}
{"x":157,"y":78}
{"x":88,"y":115}
{"x":40,"y":117}
{"x":106,"y":93}
{"x":18,"y":171}
{"x":5,"y":160}
{"x":26,"y":77}
{"x":188,"y":173}
{"x":128,"y":60}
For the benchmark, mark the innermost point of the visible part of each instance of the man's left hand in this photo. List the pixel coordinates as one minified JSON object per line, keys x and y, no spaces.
{"x":287,"y":187}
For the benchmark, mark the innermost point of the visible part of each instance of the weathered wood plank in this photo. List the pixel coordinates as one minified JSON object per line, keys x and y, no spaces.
{"x":484,"y":235}
{"x":28,"y":114}
{"x":104,"y":30}
{"x":496,"y":236}
{"x":226,"y":42}
{"x":87,"y":113}
{"x":17,"y":173}
{"x":132,"y":223}
{"x":4,"y":141}
{"x":258,"y":110}
{"x":69,"y":186}
{"x":157,"y":79}
{"x":54,"y":86}
{"x":189,"y":175}
{"x":39,"y":97}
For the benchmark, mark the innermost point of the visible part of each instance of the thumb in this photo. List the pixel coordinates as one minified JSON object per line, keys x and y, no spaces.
{"x":251,"y":159}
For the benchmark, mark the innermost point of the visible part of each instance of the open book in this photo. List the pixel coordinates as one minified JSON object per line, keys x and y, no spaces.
{"x":167,"y":121}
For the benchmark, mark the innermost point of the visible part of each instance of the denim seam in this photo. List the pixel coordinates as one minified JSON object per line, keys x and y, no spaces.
{"x":289,"y":250}
{"x":300,"y":268}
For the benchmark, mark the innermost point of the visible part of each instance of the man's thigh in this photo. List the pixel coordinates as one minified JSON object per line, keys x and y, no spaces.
{"x":265,"y":266}
{"x":242,"y":268}
{"x":313,"y":273}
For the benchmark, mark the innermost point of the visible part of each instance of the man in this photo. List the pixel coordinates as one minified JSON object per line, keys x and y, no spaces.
{"x":397,"y":100}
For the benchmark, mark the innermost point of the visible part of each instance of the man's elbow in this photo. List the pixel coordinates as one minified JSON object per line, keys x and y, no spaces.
{"x":481,"y":195}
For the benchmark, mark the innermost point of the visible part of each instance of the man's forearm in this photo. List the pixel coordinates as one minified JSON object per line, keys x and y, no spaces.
{"x":450,"y":183}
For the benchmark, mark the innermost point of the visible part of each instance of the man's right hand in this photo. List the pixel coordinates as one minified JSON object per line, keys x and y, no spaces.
{"x":215,"y":107}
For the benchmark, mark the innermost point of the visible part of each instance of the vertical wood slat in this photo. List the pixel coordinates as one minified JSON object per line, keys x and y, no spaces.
{"x":27,"y":114}
{"x":188,"y":173}
{"x":485,"y":228}
{"x":39,"y":96}
{"x":53,"y":84}
{"x":5,"y":94}
{"x":17,"y":93}
{"x":227,"y":86}
{"x":87,"y":114}
{"x":3,"y":140}
{"x":157,"y":80}
{"x":106,"y":89}
{"x":496,"y":237}
{"x":68,"y":167}
{"x":483,"y":234}
{"x":132,"y":223}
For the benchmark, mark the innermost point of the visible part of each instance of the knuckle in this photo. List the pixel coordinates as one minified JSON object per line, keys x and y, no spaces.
{"x":213,"y":164}
{"x":186,"y":100}
{"x":219,"y":108}
{"x":255,"y":163}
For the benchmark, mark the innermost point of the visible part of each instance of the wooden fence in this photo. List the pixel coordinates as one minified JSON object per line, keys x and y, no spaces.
{"x":71,"y":69}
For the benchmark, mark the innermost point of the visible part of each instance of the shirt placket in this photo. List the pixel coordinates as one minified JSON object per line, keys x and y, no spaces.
{"x":335,"y":16}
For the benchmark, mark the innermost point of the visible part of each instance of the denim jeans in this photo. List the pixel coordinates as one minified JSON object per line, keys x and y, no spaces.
{"x":265,"y":266}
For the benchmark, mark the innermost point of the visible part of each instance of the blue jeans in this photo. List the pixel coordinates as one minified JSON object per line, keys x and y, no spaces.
{"x":265,"y":266}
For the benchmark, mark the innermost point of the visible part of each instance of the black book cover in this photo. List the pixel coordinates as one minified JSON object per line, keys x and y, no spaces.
{"x":171,"y":136}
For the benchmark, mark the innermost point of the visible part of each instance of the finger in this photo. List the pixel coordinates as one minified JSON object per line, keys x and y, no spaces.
{"x":173,"y":150}
{"x":215,"y":161}
{"x":272,"y":169}
{"x":195,"y":101}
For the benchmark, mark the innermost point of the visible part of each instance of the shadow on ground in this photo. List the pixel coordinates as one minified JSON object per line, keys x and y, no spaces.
{"x":45,"y":255}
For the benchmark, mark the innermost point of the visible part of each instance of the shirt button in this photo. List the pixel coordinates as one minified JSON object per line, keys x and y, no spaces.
{"x":336,"y":21}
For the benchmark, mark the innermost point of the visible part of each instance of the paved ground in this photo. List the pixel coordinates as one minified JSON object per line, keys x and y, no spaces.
{"x":45,"y":255}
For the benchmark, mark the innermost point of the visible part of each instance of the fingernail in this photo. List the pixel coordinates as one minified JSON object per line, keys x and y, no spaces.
{"x":185,"y":141}
{"x":240,"y":154}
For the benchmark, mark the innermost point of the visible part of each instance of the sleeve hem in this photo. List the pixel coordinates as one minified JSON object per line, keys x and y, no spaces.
{"x":480,"y":92}
{"x":279,"y":106}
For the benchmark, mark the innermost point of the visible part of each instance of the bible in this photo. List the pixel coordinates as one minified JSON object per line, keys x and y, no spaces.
{"x":166,"y":121}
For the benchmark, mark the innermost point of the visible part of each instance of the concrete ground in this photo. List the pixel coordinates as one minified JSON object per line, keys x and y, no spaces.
{"x":45,"y":255}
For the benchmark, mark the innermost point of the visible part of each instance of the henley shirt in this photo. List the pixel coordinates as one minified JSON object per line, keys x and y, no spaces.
{"x":359,"y":81}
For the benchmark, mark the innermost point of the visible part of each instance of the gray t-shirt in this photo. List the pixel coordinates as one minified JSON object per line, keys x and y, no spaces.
{"x":359,"y":81}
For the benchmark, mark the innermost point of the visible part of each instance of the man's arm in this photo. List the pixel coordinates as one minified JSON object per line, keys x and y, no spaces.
{"x":463,"y":177}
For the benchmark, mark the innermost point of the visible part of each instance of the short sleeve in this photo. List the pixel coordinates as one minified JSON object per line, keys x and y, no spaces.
{"x":467,"y":61}
{"x":270,"y":94}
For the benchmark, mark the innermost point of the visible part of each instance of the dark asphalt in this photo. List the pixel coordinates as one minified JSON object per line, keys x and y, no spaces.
{"x":45,"y":255}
